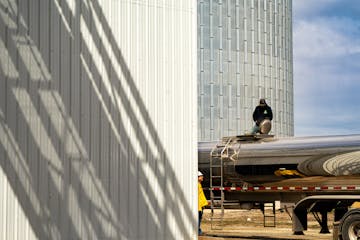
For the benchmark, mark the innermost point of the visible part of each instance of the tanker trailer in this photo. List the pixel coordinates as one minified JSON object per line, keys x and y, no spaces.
{"x":315,"y":174}
{"x":258,"y":158}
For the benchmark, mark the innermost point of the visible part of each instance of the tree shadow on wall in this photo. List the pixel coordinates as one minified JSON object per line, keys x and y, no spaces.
{"x":65,"y":116}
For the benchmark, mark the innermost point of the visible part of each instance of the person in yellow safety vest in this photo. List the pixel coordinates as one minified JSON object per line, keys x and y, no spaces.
{"x":202,"y":202}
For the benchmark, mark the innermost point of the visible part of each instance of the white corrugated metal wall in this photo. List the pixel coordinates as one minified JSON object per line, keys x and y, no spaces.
{"x":244,"y":54}
{"x":98,"y":128}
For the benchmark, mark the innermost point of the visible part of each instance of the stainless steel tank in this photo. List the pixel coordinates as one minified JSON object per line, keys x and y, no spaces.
{"x":310,"y":156}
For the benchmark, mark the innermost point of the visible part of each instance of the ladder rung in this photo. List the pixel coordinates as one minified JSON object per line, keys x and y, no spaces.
{"x":268,"y":204}
{"x":217,"y":197}
{"x":215,"y":176}
{"x":231,"y":204}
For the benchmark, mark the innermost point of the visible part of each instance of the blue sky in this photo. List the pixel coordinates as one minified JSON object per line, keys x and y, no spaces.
{"x":326,"y":39}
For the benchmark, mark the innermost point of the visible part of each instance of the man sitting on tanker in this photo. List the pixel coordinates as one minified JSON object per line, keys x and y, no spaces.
{"x":262,"y":117}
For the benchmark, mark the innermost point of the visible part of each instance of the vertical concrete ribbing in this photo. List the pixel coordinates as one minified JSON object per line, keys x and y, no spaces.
{"x":248,"y":59}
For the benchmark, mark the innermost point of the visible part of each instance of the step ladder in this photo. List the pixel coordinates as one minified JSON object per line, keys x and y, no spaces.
{"x":219,"y":155}
{"x":269,"y":214}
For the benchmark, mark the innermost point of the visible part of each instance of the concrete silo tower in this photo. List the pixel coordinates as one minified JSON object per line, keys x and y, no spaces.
{"x":244,"y":54}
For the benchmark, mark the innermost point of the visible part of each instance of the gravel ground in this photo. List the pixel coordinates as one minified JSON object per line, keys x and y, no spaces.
{"x":249,"y":224}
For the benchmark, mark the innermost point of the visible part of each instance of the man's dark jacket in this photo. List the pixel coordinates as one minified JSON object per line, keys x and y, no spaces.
{"x":262,"y":112}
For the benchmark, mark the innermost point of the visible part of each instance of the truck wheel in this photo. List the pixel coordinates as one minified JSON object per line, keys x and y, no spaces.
{"x":351,"y":227}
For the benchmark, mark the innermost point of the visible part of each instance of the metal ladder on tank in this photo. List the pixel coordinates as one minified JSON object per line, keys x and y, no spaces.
{"x":218,"y":155}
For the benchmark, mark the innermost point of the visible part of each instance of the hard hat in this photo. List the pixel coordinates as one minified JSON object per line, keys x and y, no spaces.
{"x":200,"y":174}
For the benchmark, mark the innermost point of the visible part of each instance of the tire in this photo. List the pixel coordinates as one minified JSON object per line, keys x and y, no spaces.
{"x":350,"y":229}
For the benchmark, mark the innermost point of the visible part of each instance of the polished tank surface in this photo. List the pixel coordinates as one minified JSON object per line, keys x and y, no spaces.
{"x":310,"y":156}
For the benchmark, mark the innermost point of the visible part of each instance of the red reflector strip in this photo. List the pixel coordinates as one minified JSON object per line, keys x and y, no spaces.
{"x":286,"y":188}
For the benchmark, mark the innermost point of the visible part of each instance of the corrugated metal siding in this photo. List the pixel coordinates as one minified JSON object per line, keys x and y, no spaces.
{"x":244,"y":54}
{"x":98,"y":128}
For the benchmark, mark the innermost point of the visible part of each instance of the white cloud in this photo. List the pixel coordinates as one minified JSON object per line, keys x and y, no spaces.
{"x":312,"y":130}
{"x":306,"y":8}
{"x":324,"y":38}
{"x":326,"y":71}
